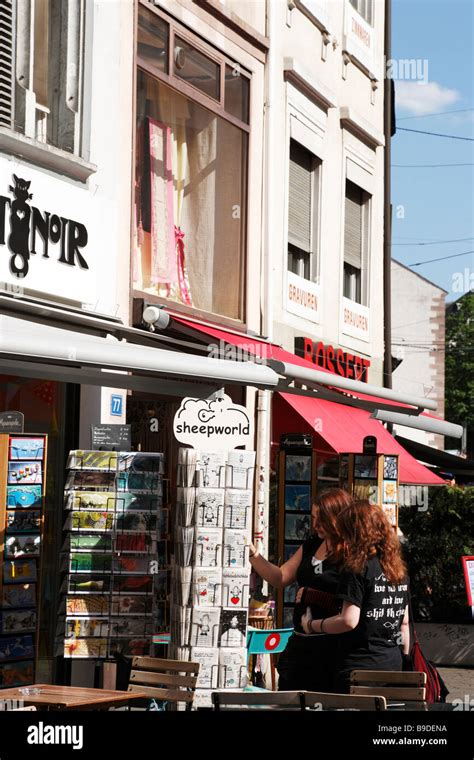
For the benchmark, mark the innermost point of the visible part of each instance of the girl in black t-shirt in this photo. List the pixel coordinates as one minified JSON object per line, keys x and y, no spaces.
{"x":373,"y":589}
{"x":308,"y":661}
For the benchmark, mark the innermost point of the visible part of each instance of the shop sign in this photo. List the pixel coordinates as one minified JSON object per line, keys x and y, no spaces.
{"x":12,"y":422}
{"x":355,"y":320}
{"x":213,"y":424}
{"x":112,"y":437}
{"x":359,"y":39}
{"x":335,"y":360}
{"x":27,"y":225}
{"x":302,"y":297}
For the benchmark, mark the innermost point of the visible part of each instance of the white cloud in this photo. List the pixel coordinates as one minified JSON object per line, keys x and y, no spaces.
{"x":419,"y":98}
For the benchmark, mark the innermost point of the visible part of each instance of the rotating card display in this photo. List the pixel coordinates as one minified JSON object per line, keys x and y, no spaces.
{"x":114,"y":555}
{"x":22,"y":488}
{"x":210,"y":576}
{"x":374,"y":477}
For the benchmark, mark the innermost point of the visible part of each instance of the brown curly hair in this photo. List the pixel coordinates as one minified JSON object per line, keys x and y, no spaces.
{"x":326,"y":508}
{"x":364,"y":532}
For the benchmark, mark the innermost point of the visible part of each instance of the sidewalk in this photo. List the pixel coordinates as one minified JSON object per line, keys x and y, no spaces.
{"x":460,"y":682}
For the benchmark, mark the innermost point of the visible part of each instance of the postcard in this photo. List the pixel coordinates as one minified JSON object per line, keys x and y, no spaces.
{"x":16,"y":673}
{"x":240,"y":469}
{"x":390,"y":491}
{"x":233,"y":628}
{"x":85,"y":584}
{"x":136,"y":522}
{"x":95,"y":542}
{"x":86,"y":627}
{"x":289,"y":594}
{"x":181,"y":578}
{"x":131,"y":565}
{"x":23,"y":521}
{"x":81,"y":459}
{"x":236,"y":548}
{"x":390,"y":468}
{"x":235,"y":587}
{"x":97,"y":500}
{"x":87,"y":605}
{"x":298,"y":467}
{"x":208,"y":547}
{"x":287,"y":621}
{"x":205,"y":627}
{"x":18,"y":621}
{"x":186,"y":471}
{"x":89,"y":521}
{"x":238,"y":508}
{"x":133,"y":584}
{"x":208,"y":659}
{"x":85,"y":648}
{"x":27,"y":448}
{"x":161,"y":585}
{"x":136,"y":647}
{"x":209,"y":507}
{"x":138,"y":461}
{"x":298,"y":498}
{"x":24,"y":496}
{"x":391,"y":512}
{"x":365,"y":466}
{"x":180,"y":624}
{"x":207,"y":586}
{"x":140,"y":502}
{"x":19,"y":595}
{"x":185,"y":506}
{"x":211,"y":469}
{"x":128,"y":604}
{"x":90,"y":562}
{"x":23,"y":545}
{"x":16,"y":646}
{"x":135,"y":543}
{"x":24,"y":472}
{"x":366,"y":489}
{"x":100,"y":479}
{"x":129,"y":627}
{"x":19,"y":571}
{"x":297,"y":527}
{"x":232,"y":668}
{"x":139,"y":481}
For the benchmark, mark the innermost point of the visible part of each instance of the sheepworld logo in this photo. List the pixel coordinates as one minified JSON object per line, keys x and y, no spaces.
{"x":214,"y":423}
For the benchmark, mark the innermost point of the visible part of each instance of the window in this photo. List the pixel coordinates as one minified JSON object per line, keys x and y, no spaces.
{"x":365,"y":8}
{"x":302,"y":212}
{"x":41,"y":66}
{"x":356,"y":223}
{"x":191,"y":170}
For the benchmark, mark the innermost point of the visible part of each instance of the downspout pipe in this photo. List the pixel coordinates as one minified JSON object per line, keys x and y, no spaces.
{"x":387,"y":222}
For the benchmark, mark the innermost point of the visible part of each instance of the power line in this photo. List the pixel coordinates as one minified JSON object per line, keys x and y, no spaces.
{"x":434,"y":134}
{"x":441,"y":258}
{"x":438,"y":242}
{"x":425,"y":166}
{"x":438,"y":113}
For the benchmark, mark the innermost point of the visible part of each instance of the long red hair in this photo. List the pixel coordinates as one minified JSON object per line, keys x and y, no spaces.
{"x":326,"y":509}
{"x":364,"y":532}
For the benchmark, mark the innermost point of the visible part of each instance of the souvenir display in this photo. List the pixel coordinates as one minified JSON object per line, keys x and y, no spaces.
{"x":112,"y":553}
{"x":373,"y":477}
{"x":210,"y":577}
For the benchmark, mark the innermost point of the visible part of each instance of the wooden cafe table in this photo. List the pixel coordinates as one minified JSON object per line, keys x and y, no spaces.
{"x":51,"y":697}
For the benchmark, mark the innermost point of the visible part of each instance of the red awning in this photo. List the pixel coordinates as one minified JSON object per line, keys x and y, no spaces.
{"x":343,"y":427}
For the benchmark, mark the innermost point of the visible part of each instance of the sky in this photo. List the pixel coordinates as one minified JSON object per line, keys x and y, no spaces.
{"x":434,"y":204}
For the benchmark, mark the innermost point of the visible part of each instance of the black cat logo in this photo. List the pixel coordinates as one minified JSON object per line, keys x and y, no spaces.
{"x":18,"y":240}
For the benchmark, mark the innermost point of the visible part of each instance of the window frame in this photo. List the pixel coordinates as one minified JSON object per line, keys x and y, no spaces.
{"x":357,"y":7}
{"x":315,"y":216}
{"x":363,"y":283}
{"x":217,"y":107}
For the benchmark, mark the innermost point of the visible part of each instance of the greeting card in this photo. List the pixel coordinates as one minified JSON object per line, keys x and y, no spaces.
{"x":208,"y":547}
{"x":205,"y":627}
{"x":209,"y":510}
{"x":236,"y":548}
{"x":232,"y":668}
{"x":207,"y":586}
{"x":238,"y":508}
{"x":233,"y":628}
{"x":235,"y":587}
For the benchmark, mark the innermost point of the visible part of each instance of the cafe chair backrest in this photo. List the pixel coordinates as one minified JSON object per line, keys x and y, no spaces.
{"x":170,"y":681}
{"x":286,"y":700}
{"x":389,"y":684}
{"x":323,"y":701}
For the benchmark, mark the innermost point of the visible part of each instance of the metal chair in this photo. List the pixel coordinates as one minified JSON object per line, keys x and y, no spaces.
{"x":393,"y":685}
{"x":171,"y":681}
{"x":325,"y":701}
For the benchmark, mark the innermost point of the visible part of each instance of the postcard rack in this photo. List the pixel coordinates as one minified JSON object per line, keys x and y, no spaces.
{"x":374,"y":477}
{"x":115,"y":559}
{"x":23,"y":462}
{"x":210,"y":574}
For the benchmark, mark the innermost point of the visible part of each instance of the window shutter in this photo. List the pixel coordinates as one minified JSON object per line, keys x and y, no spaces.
{"x":299,"y":203}
{"x":353,"y":226}
{"x":6,"y":64}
